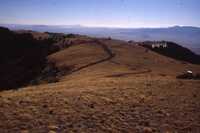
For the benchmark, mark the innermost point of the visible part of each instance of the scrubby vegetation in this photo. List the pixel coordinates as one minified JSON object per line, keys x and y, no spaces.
{"x":22,"y":58}
{"x":189,"y":76}
{"x":173,"y":50}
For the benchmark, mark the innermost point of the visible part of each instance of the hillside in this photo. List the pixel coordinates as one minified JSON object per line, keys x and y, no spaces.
{"x":187,"y":36}
{"x":22,"y":58}
{"x":172,"y":50}
{"x":95,"y":85}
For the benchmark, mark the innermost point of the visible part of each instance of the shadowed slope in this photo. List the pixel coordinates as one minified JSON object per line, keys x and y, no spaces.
{"x":175,"y":51}
{"x":21,"y":57}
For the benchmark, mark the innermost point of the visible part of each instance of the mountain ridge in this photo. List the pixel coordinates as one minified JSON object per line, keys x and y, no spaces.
{"x":186,"y":36}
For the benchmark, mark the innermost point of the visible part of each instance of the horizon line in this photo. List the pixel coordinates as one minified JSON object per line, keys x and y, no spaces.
{"x":107,"y":27}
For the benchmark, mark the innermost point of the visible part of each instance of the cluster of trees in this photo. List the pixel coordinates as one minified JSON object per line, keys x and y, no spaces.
{"x":22,"y":58}
{"x":175,"y":51}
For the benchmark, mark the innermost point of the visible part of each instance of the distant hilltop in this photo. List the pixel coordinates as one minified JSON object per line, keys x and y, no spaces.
{"x":172,"y":50}
{"x":186,"y":36}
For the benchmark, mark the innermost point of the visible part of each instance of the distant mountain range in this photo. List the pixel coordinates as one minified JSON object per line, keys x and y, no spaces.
{"x":186,"y":36}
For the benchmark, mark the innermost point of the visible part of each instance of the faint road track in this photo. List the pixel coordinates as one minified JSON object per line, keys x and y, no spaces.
{"x":109,"y":52}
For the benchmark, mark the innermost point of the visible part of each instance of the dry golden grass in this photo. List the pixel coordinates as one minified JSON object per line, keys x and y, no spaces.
{"x":134,"y":91}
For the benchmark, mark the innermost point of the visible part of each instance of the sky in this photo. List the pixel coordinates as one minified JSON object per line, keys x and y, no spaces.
{"x":101,"y":13}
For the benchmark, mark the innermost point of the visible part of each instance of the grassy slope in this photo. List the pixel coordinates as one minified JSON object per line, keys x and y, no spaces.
{"x":134,"y":91}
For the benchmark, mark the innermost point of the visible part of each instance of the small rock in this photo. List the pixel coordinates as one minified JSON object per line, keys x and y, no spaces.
{"x":53,"y":127}
{"x":91,"y":105}
{"x":44,"y":106}
{"x":24,"y":131}
{"x":144,"y":123}
{"x":51,"y":112}
{"x":161,"y":111}
{"x":51,"y":131}
{"x":162,"y":99}
{"x":142,"y":98}
{"x":194,"y":95}
{"x":148,"y":84}
{"x":167,"y":114}
{"x":147,"y":130}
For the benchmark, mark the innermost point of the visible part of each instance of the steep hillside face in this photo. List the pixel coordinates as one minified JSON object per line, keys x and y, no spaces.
{"x":21,"y":57}
{"x":173,"y":50}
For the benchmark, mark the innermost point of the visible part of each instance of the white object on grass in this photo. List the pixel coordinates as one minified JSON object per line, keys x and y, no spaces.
{"x":190,"y":72}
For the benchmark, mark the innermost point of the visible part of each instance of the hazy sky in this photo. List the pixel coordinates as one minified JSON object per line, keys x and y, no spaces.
{"x":109,"y":13}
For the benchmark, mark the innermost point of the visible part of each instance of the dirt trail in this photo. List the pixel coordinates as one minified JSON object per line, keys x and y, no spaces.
{"x":109,"y":52}
{"x":128,"y":73}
